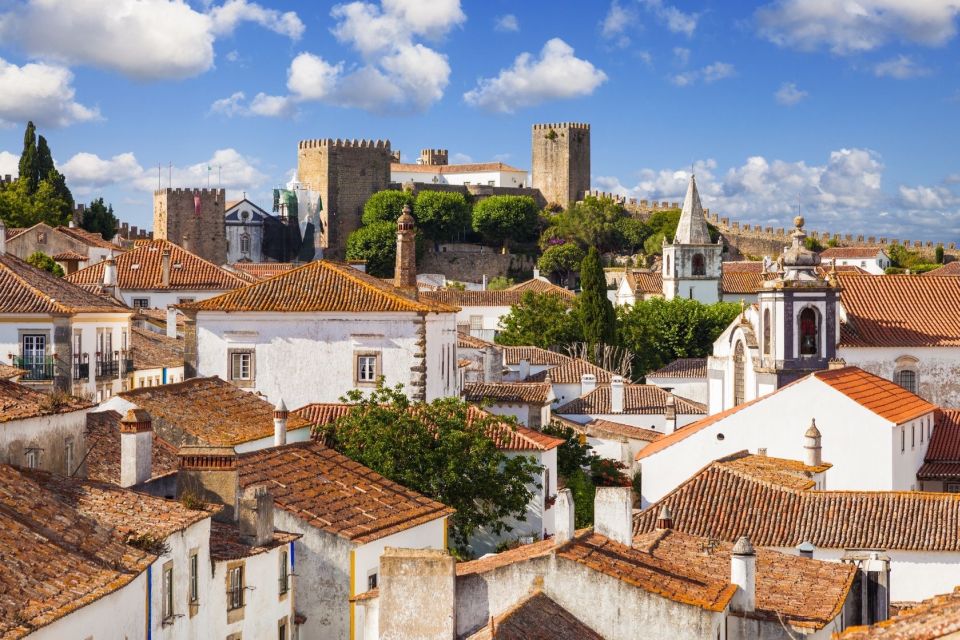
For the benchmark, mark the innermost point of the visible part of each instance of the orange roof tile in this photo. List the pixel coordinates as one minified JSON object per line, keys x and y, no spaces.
{"x":942,"y":461}
{"x":263,"y":270}
{"x":88,"y":237}
{"x":539,"y":285}
{"x":103,"y":449}
{"x":600,"y":427}
{"x":26,"y":289}
{"x":644,"y":282}
{"x":638,"y":399}
{"x":534,"y":355}
{"x":571,"y":372}
{"x":682,"y":368}
{"x":937,"y":617}
{"x":949,"y":269}
{"x":536,"y":617}
{"x":502,"y":298}
{"x":864,"y":253}
{"x":18,"y":402}
{"x":466,"y":341}
{"x":517,"y":392}
{"x":69,"y":255}
{"x":151,"y":350}
{"x":226,"y":543}
{"x":8,"y":372}
{"x":319,"y":286}
{"x":788,"y":473}
{"x":888,"y":400}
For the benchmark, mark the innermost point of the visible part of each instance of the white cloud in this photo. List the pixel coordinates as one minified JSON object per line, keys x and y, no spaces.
{"x":709,"y":74}
{"x":9,"y":163}
{"x":788,"y":94}
{"x":507,"y":23}
{"x":232,"y":56}
{"x":311,"y":78}
{"x":231,"y":105}
{"x":143,"y":39}
{"x":373,"y":29}
{"x":902,"y":68}
{"x":271,"y":106}
{"x":556,"y":74}
{"x":40,"y":92}
{"x":615,"y":23}
{"x":857,"y":25}
{"x":675,"y":20}
{"x":88,"y":170}
{"x":460,"y":158}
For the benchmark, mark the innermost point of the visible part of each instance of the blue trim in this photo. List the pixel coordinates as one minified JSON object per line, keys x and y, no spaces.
{"x":164,"y":375}
{"x":149,"y":601}
{"x":293,"y":558}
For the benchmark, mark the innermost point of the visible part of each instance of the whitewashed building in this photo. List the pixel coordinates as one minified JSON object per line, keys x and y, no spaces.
{"x":873,"y":260}
{"x":432,"y":168}
{"x":245,"y":231}
{"x":528,"y":402}
{"x":691,"y":263}
{"x":684,"y":377}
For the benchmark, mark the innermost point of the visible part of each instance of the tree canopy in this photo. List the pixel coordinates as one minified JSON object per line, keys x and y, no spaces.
{"x":505,"y":218}
{"x":377,"y":244}
{"x":99,"y":218}
{"x":386,"y":206}
{"x":561,"y":260}
{"x":541,"y":320}
{"x":598,"y":319}
{"x":438,"y":449}
{"x":442,"y":215}
{"x":42,"y":261}
{"x":40,"y":193}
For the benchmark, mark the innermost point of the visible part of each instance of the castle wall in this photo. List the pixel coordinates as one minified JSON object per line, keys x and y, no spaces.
{"x":200,"y":230}
{"x":471,"y":267}
{"x":561,"y":161}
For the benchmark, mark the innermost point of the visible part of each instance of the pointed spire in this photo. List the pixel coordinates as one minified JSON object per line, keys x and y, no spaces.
{"x":692,"y":228}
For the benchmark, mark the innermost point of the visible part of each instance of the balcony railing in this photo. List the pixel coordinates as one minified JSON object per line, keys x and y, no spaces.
{"x":108,"y":368}
{"x":36,"y":369}
{"x":81,"y":366}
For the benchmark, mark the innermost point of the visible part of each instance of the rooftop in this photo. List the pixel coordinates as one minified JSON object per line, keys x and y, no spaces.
{"x":226,"y":543}
{"x":515,"y":392}
{"x":474,"y":167}
{"x":536,"y":617}
{"x":152,"y":350}
{"x":942,"y":461}
{"x":19,"y":402}
{"x":501,"y":298}
{"x":682,"y":368}
{"x":571,"y":372}
{"x":600,"y":426}
{"x":949,"y":269}
{"x":103,"y":449}
{"x":466,"y":341}
{"x":865,"y":253}
{"x":534,"y":355}
{"x":539,"y":285}
{"x":89,"y":238}
{"x":638,"y":399}
{"x":263,"y":270}
{"x":938,"y":617}
{"x":26,"y":289}
{"x":8,"y":372}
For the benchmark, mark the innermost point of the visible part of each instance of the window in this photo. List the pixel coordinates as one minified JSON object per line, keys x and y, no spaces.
{"x":546,"y":486}
{"x":282,"y":630}
{"x":913,"y":436}
{"x":185,"y":300}
{"x":863,"y":263}
{"x":699,"y":265}
{"x":476,"y":323}
{"x":241,"y":366}
{"x":372,"y":581}
{"x":41,"y":237}
{"x":766,"y":332}
{"x":669,"y":263}
{"x":809,"y":332}
{"x":194,"y":594}
{"x":141,"y":303}
{"x":34,"y":350}
{"x":739,"y":385}
{"x":491,"y":183}
{"x":284,"y":573}
{"x":245,"y":243}
{"x":235,"y":590}
{"x":903,"y":439}
{"x":952,"y":487}
{"x":31,"y":457}
{"x":367,"y":368}
{"x":167,"y":607}
{"x":68,"y":456}
{"x":907,"y":379}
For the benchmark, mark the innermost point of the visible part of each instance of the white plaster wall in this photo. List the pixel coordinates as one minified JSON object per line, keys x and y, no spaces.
{"x":165,"y":375}
{"x":182,"y":625}
{"x":908,"y":448}
{"x":121,"y":614}
{"x":705,"y":291}
{"x":490,"y":322}
{"x":938,"y":368}
{"x":522,"y":412}
{"x":442,"y":380}
{"x":163,"y":299}
{"x":498,"y":178}
{"x":875,"y":266}
{"x":690,"y":388}
{"x":653,"y":422}
{"x":49,"y":433}
{"x":263,"y":608}
{"x":748,"y":298}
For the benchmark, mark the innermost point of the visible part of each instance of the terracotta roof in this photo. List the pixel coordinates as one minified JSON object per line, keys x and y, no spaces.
{"x":517,"y":392}
{"x":440,"y":169}
{"x":319,"y":286}
{"x":69,"y":255}
{"x":638,"y":399}
{"x":103,"y":449}
{"x":19,"y":402}
{"x":726,"y":501}
{"x":781,"y":471}
{"x":536,"y":617}
{"x":336,"y":494}
{"x":570,"y":372}
{"x":534,"y":355}
{"x":744,"y":276}
{"x":949,"y":269}
{"x":151,"y":350}
{"x":502,"y":298}
{"x":158,"y":317}
{"x":539,"y":285}
{"x":937,"y":617}
{"x":682,"y":368}
{"x":506,"y":558}
{"x":207,"y":411}
{"x":88,"y":237}
{"x":323,"y":413}
{"x":263,"y":270}
{"x":886,"y":399}
{"x":643,"y":281}
{"x":142,"y":268}
{"x":8,"y":372}
{"x":864,"y":253}
{"x":942,"y":461}
{"x":900,"y":310}
{"x":226,"y":543}
{"x":466,"y":341}
{"x":26,"y":289}
{"x":599,"y":426}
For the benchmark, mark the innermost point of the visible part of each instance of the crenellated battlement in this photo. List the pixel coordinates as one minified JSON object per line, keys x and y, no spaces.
{"x":184,"y":191}
{"x":583,"y":126}
{"x":344,"y":144}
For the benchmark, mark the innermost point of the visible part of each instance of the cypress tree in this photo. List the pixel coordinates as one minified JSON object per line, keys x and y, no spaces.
{"x":597,"y":316}
{"x":44,"y":158}
{"x":29,"y":165}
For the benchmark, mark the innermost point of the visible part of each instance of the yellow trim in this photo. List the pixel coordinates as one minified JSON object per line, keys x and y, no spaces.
{"x":446,"y":525}
{"x":353,"y":575}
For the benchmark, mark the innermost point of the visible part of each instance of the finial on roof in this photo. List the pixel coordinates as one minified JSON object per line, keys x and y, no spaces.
{"x":665,"y":519}
{"x":743,"y":547}
{"x":813,"y":431}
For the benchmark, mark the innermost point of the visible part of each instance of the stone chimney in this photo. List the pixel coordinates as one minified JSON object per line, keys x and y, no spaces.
{"x":492,"y":364}
{"x":171,"y":321}
{"x":280,"y":415}
{"x":165,"y":267}
{"x":255,"y":515}
{"x":109,"y":272}
{"x":136,"y":448}
{"x":210,"y":474}
{"x":813,"y":456}
{"x":613,"y":514}
{"x":743,"y":573}
{"x":588,"y":382}
{"x":670,"y":414}
{"x":665,"y":519}
{"x":3,"y":238}
{"x":616,"y":394}
{"x":563,"y":517}
{"x":806,"y":549}
{"x":524,"y":371}
{"x":836,"y":363}
{"x":421,"y":575}
{"x":405,"y":272}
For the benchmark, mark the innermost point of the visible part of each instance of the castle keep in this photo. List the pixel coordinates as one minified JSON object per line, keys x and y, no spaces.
{"x":193,"y":219}
{"x":561,"y":161}
{"x":345,"y":173}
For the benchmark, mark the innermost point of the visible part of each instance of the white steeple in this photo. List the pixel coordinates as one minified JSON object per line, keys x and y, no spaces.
{"x":692,"y":228}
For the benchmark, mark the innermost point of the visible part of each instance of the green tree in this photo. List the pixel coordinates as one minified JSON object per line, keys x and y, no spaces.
{"x":541,"y":320}
{"x":500,"y":283}
{"x":385,"y":206}
{"x":561,"y":261}
{"x":504,"y":218}
{"x":633,"y":233}
{"x":441,"y":215}
{"x":583,"y":492}
{"x":20,"y":208}
{"x":377,"y":244}
{"x":597,"y":316}
{"x":813,"y":244}
{"x":593,"y":222}
{"x":938,"y":254}
{"x":44,"y":158}
{"x":42,"y":261}
{"x":99,"y":218}
{"x":29,"y":162}
{"x":439,"y":450}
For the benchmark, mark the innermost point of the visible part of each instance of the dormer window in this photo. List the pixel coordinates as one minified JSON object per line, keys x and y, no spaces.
{"x":809,"y":332}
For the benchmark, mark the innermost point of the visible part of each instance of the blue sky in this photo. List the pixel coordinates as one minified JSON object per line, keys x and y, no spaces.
{"x":849,"y":108}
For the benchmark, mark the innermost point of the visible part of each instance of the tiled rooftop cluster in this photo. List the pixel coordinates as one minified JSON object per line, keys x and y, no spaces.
{"x":637,"y":399}
{"x":26,"y":289}
{"x":18,"y":402}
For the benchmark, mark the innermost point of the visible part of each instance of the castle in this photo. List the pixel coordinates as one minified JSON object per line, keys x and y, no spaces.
{"x":193,"y":219}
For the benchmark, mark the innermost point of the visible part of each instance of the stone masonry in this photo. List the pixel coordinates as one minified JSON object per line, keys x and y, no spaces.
{"x":345,"y":173}
{"x":561,"y":161}
{"x":193,"y":219}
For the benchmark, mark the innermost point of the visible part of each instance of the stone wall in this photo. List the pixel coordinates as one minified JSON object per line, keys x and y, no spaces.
{"x":200,"y":230}
{"x":471,"y":267}
{"x":561,"y":160}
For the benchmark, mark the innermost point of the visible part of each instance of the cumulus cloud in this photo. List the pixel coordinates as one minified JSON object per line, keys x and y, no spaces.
{"x":675,"y":20}
{"x":40,"y":92}
{"x":709,"y":74}
{"x":90,"y":170}
{"x":143,"y":39}
{"x":556,"y":74}
{"x":863,"y":25}
{"x":9,"y":163}
{"x":901,"y":68}
{"x":507,"y":23}
{"x":788,"y":94}
{"x":615,"y":23}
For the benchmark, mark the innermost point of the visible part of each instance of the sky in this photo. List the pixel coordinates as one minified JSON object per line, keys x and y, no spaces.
{"x":846,"y":111}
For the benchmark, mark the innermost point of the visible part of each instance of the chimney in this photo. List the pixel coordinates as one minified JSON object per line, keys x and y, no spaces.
{"x":430,"y":572}
{"x":616,"y":394}
{"x":184,"y":242}
{"x":665,"y":519}
{"x":109,"y":272}
{"x":165,"y":267}
{"x":836,"y":363}
{"x":136,"y":448}
{"x":492,"y":364}
{"x":588,"y":382}
{"x":563,"y":517}
{"x":280,"y":415}
{"x":72,"y":224}
{"x":524,"y":372}
{"x":405,"y":273}
{"x":743,"y":573}
{"x":805,"y":549}
{"x":613,"y":514}
{"x":670,"y":414}
{"x":3,"y":238}
{"x":256,"y":515}
{"x":171,"y":321}
{"x":813,"y":456}
{"x":536,"y":273}
{"x":209,"y":474}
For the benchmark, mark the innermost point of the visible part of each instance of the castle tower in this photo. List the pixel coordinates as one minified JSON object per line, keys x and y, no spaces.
{"x":345,"y":173}
{"x":692,"y":265}
{"x":561,"y":161}
{"x":195,"y":217}
{"x":405,"y":272}
{"x":433,"y":157}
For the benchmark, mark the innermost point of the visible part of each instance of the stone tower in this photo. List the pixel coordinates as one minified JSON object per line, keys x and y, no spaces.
{"x":405,"y":273}
{"x":692,"y":265}
{"x":561,"y":161}
{"x":193,"y":219}
{"x":434,"y":157}
{"x":345,"y":173}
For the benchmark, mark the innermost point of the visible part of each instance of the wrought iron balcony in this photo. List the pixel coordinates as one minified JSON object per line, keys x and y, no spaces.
{"x":81,"y":366}
{"x":37,"y":369}
{"x":108,"y":368}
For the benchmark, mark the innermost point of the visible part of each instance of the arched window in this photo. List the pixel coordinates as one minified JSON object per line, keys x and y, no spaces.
{"x":245,"y":243}
{"x":809,"y":332}
{"x":766,"y":332}
{"x":669,"y":262}
{"x":739,"y":385}
{"x":699,"y":266}
{"x":905,"y":374}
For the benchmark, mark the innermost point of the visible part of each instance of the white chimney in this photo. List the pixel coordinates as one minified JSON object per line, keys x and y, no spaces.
{"x":483,"y":284}
{"x":743,"y":573}
{"x":109,"y":273}
{"x":524,"y":369}
{"x":588,"y":382}
{"x":280,"y":414}
{"x":72,"y":224}
{"x":665,"y":519}
{"x":136,"y":448}
{"x":165,"y":267}
{"x":536,"y":273}
{"x":3,"y":238}
{"x":613,"y":514}
{"x":813,"y":454}
{"x":805,"y":549}
{"x":171,"y":321}
{"x":616,"y":394}
{"x":670,"y":414}
{"x":563,"y":517}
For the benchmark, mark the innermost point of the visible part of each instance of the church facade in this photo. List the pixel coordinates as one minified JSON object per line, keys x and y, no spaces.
{"x":692,"y":262}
